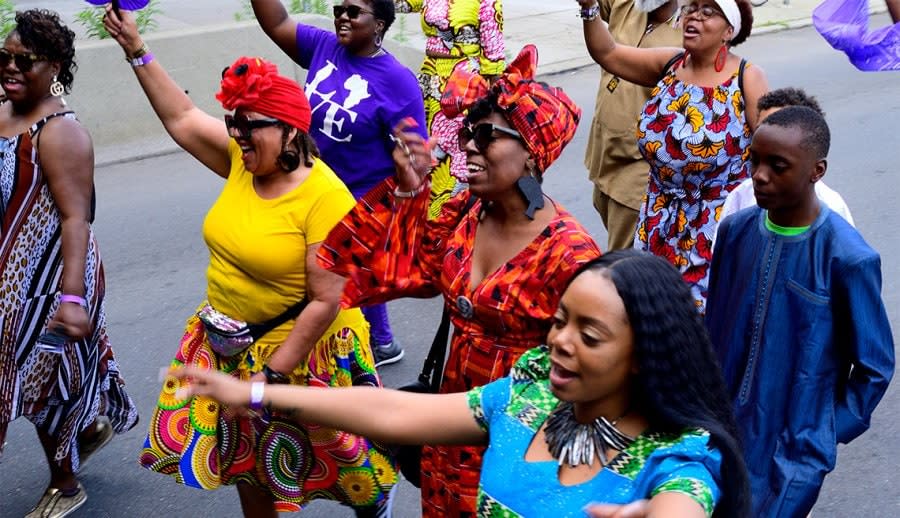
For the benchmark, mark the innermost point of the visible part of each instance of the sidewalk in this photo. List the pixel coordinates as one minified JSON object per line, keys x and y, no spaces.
{"x":553,"y":26}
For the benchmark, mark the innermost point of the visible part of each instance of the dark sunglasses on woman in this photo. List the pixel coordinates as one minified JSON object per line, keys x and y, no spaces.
{"x":483,"y":134}
{"x":241,"y":127}
{"x":24,"y":61}
{"x":353,"y":11}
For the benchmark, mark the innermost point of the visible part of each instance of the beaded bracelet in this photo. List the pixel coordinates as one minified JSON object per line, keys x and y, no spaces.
{"x":591,"y":13}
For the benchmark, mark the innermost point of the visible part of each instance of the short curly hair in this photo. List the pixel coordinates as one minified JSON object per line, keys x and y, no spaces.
{"x":385,"y":11}
{"x":789,"y":96}
{"x":43,"y":33}
{"x":746,"y":10}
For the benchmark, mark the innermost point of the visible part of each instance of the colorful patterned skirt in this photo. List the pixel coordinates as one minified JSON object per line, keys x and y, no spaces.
{"x":201,"y":444}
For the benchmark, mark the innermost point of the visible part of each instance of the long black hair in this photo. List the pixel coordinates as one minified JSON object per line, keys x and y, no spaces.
{"x":43,"y":33}
{"x":678,"y":384}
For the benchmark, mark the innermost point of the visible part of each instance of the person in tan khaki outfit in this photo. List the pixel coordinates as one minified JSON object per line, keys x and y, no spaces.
{"x":615,"y":166}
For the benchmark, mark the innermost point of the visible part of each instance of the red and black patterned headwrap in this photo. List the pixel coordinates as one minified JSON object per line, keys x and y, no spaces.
{"x":544,"y":115}
{"x":254,"y":84}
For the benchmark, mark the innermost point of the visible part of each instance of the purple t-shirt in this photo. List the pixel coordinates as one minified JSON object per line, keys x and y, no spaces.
{"x":356,"y":102}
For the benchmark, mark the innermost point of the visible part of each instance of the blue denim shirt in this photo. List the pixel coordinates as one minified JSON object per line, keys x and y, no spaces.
{"x":805,"y":344}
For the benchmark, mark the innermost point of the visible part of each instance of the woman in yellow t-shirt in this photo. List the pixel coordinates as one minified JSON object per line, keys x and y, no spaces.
{"x":278,"y":204}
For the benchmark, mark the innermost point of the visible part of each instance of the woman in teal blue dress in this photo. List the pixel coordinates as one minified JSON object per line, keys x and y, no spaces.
{"x":625,"y":405}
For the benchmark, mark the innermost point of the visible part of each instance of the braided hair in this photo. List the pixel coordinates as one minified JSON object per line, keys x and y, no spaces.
{"x":42,"y":31}
{"x":678,"y":384}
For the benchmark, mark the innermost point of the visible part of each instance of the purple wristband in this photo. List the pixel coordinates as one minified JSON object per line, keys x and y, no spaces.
{"x":257,"y":389}
{"x":143,"y":60}
{"x":74,"y":299}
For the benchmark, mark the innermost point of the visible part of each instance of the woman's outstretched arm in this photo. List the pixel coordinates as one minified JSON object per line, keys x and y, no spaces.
{"x":274,"y":20}
{"x":386,"y":415}
{"x":203,"y":136}
{"x":643,"y":66}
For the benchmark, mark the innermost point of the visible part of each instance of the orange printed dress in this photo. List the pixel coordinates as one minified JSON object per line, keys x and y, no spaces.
{"x":388,"y":248}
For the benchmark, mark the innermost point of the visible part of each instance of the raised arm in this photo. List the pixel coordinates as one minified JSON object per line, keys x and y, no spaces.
{"x":277,"y":24}
{"x":385,"y":415}
{"x":203,"y":136}
{"x":643,"y":66}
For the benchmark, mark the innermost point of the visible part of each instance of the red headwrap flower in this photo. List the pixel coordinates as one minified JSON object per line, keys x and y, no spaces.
{"x":544,"y":115}
{"x":254,"y":84}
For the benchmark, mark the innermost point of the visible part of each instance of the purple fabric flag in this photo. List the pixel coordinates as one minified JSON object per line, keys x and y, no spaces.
{"x":128,"y":5}
{"x":845,"y":25}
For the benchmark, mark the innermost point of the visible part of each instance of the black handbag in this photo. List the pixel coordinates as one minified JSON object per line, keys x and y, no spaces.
{"x":409,"y":457}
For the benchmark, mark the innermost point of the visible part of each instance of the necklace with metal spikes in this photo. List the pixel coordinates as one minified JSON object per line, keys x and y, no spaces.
{"x":575,"y":443}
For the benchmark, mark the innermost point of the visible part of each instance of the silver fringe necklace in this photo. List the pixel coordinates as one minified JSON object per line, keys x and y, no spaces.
{"x":575,"y":443}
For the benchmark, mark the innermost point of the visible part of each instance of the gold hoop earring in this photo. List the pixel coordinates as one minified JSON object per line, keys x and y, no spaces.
{"x":57,"y":88}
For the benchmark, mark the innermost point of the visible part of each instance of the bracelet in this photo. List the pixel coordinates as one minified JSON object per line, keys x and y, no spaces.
{"x":274,"y":377}
{"x":591,"y":13}
{"x":142,"y":60}
{"x":410,"y":194}
{"x":257,"y":389}
{"x":74,"y":299}
{"x":144,"y":49}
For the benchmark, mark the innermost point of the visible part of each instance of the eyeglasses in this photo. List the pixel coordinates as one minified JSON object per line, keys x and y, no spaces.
{"x":483,"y":135}
{"x":24,"y":61}
{"x":353,"y":11}
{"x":706,"y":11}
{"x":242,"y":127}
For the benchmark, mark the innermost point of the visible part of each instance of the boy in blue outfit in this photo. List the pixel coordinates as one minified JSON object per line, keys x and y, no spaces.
{"x":796,"y":317}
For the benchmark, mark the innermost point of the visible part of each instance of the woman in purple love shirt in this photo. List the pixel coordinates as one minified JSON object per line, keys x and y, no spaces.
{"x":358,"y":92}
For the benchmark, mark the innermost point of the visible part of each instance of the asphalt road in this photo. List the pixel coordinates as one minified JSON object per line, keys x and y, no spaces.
{"x":149,"y":219}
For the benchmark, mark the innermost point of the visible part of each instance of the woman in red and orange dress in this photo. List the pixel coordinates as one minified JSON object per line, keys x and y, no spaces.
{"x":500,"y":263}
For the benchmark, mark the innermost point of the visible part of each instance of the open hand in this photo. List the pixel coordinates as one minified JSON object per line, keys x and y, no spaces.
{"x":225,"y":389}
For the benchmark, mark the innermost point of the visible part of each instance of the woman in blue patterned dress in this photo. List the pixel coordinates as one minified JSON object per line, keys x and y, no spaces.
{"x":628,"y":366}
{"x":694,"y":131}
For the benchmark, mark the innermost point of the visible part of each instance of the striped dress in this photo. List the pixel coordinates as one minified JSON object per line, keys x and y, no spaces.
{"x":60,"y":393}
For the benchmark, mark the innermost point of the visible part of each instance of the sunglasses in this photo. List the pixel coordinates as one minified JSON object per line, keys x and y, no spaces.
{"x":242,"y":127}
{"x":706,"y":11}
{"x":24,"y":61}
{"x":483,"y":135}
{"x":352,"y":11}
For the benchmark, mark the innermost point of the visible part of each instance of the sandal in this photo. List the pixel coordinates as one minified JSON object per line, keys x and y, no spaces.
{"x":54,"y":504}
{"x":103,"y":434}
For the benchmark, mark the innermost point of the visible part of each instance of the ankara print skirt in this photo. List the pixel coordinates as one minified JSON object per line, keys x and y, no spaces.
{"x":201,"y":444}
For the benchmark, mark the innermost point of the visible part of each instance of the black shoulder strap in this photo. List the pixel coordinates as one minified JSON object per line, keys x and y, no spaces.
{"x":669,"y":64}
{"x":433,"y":368}
{"x":257,"y":331}
{"x":741,"y":75}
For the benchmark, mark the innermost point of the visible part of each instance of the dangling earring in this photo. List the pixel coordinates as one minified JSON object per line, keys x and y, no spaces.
{"x":378,"y":40}
{"x":530,"y":189}
{"x":57,"y":88}
{"x":721,"y":58}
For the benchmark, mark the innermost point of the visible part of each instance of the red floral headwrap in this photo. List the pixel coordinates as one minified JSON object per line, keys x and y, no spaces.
{"x":544,"y":115}
{"x":254,"y":84}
